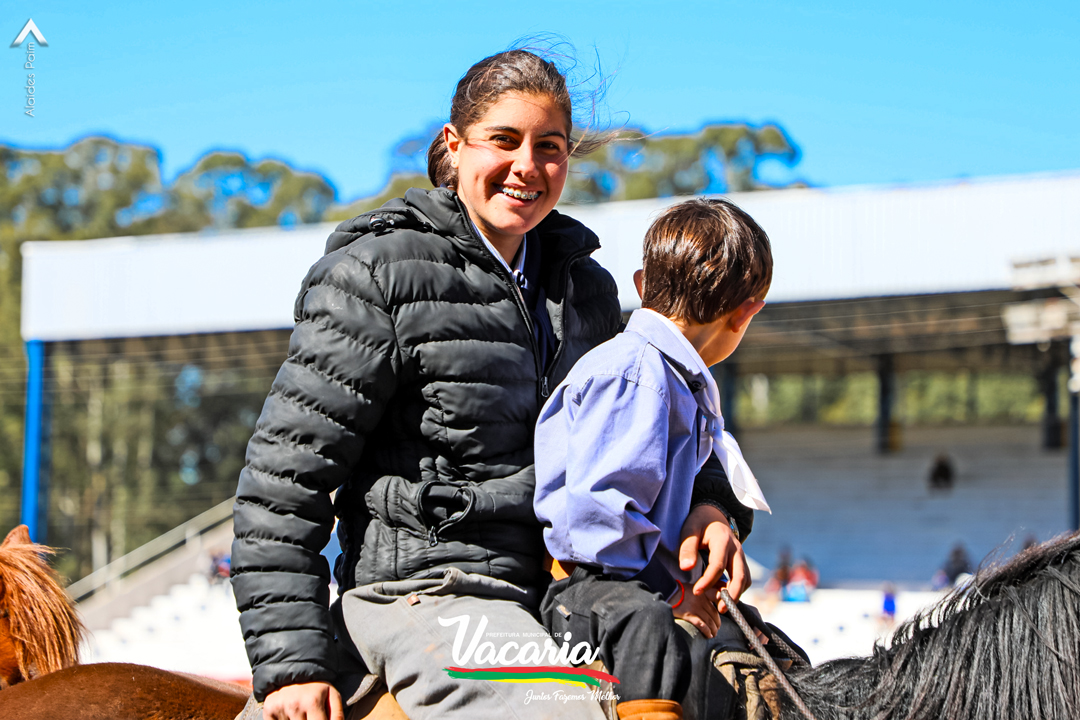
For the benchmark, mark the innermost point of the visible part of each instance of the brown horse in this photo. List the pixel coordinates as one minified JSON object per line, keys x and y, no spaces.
{"x":40,"y":677}
{"x":119,"y":691}
{"x":40,"y":674}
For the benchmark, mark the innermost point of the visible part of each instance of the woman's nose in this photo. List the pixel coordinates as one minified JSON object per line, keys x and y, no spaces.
{"x":525,"y":164}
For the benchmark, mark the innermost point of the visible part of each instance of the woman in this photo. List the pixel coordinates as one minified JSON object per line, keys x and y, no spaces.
{"x":426,"y":340}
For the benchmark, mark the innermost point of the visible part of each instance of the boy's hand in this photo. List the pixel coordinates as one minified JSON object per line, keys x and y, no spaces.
{"x":304,"y":701}
{"x":700,"y":610}
{"x":707,"y":527}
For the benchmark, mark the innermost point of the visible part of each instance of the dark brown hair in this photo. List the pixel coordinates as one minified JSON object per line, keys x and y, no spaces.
{"x":702,"y":259}
{"x":481,"y":87}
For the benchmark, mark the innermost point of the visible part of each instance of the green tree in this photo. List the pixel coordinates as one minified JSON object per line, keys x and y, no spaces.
{"x":74,"y":193}
{"x":99,"y":187}
{"x":67,"y":194}
{"x":395,"y":188}
{"x":408,"y":169}
{"x":226,"y":190}
{"x":719,"y":158}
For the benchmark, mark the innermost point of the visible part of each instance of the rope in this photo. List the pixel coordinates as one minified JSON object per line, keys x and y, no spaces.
{"x":752,"y":637}
{"x":779,"y":642}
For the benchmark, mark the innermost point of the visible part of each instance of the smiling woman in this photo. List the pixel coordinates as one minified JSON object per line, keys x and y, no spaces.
{"x":426,"y":341}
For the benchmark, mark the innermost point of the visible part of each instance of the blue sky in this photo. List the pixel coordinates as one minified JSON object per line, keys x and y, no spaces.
{"x":871,"y":93}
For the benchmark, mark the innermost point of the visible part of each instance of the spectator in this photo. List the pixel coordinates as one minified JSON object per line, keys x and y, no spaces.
{"x":888,"y":604}
{"x":801,"y":583}
{"x":956,"y":565}
{"x":781,"y":574}
{"x":942,"y":473}
{"x":220,"y":564}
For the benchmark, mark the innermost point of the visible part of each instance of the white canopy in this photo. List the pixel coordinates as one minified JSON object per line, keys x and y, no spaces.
{"x":827,"y":243}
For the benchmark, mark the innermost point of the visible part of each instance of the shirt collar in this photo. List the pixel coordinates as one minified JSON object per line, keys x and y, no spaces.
{"x":519,"y":260}
{"x":666,"y":337}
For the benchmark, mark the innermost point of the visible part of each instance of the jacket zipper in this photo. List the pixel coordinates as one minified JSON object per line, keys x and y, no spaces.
{"x":542,"y":373}
{"x":515,"y":293}
{"x":545,"y":391}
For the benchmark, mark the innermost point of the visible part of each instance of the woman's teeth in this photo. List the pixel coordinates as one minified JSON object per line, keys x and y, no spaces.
{"x":520,"y":194}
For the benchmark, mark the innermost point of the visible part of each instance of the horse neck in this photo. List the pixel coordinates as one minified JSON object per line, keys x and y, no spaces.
{"x":1008,"y":641}
{"x":831,"y":689}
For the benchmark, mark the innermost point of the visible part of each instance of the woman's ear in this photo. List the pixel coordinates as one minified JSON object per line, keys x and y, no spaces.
{"x":743,"y":314}
{"x":637,"y":282}
{"x":453,"y":143}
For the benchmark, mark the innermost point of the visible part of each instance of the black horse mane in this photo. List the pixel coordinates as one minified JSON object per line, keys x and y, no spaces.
{"x":1006,"y":645}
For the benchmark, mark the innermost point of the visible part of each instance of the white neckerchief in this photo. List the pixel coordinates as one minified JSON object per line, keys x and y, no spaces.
{"x":714,"y":438}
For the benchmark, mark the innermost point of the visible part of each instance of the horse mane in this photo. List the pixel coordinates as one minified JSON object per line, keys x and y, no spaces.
{"x":1003,"y":646}
{"x":43,"y":622}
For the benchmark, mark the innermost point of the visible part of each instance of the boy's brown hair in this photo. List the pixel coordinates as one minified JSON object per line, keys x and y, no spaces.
{"x":703,"y":258}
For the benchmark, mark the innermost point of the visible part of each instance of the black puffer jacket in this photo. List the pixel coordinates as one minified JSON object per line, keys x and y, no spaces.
{"x":412,"y":384}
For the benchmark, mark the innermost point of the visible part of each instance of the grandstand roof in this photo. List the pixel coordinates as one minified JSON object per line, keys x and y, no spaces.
{"x":828,"y":243}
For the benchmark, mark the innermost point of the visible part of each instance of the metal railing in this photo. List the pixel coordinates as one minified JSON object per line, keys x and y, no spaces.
{"x":141,"y":556}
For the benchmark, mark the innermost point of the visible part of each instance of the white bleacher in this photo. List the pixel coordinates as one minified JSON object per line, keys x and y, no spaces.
{"x":195,"y":628}
{"x":839,"y":623}
{"x":867,"y":518}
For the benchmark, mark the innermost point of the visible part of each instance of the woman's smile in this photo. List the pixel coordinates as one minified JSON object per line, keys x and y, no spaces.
{"x":519,"y":194}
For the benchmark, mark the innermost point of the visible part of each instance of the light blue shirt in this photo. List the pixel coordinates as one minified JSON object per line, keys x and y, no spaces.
{"x":617,"y":450}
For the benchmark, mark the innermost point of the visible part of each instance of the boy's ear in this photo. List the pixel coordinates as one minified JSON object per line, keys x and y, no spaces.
{"x":637,"y":281}
{"x":745,"y":313}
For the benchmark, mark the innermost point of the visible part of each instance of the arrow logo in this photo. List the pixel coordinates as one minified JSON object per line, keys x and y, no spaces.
{"x":28,"y":28}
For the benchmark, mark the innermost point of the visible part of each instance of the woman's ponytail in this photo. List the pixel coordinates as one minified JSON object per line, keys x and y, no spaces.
{"x":440,"y":172}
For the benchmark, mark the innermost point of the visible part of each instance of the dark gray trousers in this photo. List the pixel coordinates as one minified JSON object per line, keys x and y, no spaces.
{"x":633,"y":628}
{"x":640,"y":642}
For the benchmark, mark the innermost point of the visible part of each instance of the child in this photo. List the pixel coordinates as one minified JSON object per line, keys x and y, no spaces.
{"x":620,"y":440}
